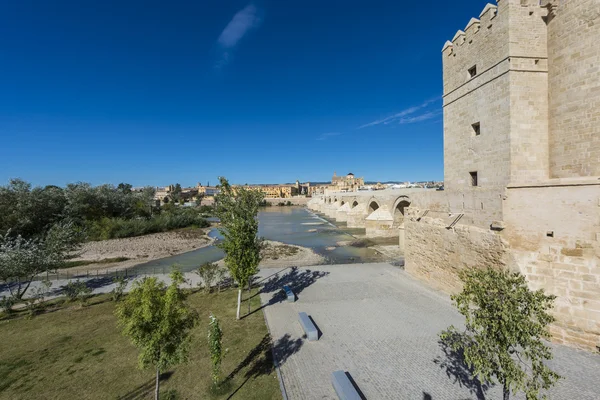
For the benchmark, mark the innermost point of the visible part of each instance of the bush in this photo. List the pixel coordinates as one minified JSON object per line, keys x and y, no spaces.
{"x":208,"y":273}
{"x":206,"y":209}
{"x":6,"y":304}
{"x":170,"y":394}
{"x":288,"y":203}
{"x":77,"y":290}
{"x":119,"y":290}
{"x":115,"y":228}
{"x":35,"y":302}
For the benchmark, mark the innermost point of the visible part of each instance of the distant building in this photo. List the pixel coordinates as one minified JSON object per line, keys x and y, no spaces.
{"x":207,"y":190}
{"x":348,"y":183}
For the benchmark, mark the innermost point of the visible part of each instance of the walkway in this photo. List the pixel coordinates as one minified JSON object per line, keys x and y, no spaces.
{"x":381,"y":326}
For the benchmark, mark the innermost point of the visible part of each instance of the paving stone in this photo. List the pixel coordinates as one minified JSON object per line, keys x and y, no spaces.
{"x":381,"y":325}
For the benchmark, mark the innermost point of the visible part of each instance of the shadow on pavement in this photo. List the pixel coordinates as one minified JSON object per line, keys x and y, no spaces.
{"x":297,"y":281}
{"x":453,"y":362}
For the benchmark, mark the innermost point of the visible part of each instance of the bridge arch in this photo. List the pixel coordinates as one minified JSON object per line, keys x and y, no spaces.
{"x":372,"y":206}
{"x":400,"y":205}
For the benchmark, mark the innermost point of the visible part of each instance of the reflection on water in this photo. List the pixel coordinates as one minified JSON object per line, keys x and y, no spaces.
{"x":291,"y":225}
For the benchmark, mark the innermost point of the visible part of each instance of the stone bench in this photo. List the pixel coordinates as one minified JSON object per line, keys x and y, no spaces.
{"x":291,"y":297}
{"x":312,"y":333}
{"x":344,"y":389}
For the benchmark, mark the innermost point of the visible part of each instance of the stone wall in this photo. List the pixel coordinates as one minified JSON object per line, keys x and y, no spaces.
{"x":480,"y":206}
{"x":436,"y":253}
{"x":574,"y":84}
{"x":553,"y":233}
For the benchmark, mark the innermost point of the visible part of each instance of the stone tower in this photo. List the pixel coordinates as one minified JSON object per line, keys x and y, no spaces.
{"x":522,"y":94}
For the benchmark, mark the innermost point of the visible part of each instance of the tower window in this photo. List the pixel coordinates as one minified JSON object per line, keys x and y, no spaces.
{"x":473,"y":178}
{"x":472,"y":71}
{"x":476,"y":128}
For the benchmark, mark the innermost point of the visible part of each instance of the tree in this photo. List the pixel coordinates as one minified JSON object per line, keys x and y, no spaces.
{"x":22,"y":259}
{"x":207,"y":273}
{"x":505,"y":325}
{"x":237,"y":209}
{"x":158,"y":322}
{"x":199,"y":198}
{"x":215,"y":345}
{"x":125,"y":188}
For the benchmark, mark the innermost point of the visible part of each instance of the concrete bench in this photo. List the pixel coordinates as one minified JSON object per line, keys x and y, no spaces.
{"x":309,"y":328}
{"x":343,"y":387}
{"x":291,"y":297}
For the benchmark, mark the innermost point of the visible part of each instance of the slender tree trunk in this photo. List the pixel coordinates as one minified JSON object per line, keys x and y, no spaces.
{"x":157,"y":390}
{"x":506,"y":392}
{"x":249,"y":289}
{"x":239,"y":301}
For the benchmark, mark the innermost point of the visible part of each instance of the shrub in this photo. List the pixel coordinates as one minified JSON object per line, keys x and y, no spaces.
{"x":170,"y":394}
{"x":115,"y":228}
{"x":215,"y":345}
{"x":208,"y":273}
{"x":35,"y":302}
{"x":119,"y":289}
{"x":288,"y":203}
{"x":77,"y":290}
{"x":220,"y":276}
{"x":6,"y":304}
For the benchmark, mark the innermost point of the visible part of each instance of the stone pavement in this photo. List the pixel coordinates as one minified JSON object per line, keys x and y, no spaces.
{"x":381,"y":326}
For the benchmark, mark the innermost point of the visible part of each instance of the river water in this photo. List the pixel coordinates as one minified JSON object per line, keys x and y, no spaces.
{"x":290,"y":225}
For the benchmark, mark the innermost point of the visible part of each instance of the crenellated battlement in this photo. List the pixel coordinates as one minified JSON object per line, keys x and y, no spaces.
{"x":512,"y":28}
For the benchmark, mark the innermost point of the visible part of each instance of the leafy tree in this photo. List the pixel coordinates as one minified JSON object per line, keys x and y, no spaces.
{"x":215,"y":345}
{"x":22,"y":259}
{"x":158,"y":322}
{"x":125,"y":188}
{"x":199,"y":198}
{"x":207,"y":273}
{"x":505,"y":325}
{"x":237,"y":209}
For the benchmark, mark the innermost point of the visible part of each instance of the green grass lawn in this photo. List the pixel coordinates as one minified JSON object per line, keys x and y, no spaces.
{"x":78,"y":353}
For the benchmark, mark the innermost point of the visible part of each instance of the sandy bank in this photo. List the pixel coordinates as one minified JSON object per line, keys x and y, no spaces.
{"x":277,"y":254}
{"x":142,"y":248}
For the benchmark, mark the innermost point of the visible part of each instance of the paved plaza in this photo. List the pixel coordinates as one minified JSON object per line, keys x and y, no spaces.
{"x":381,"y":325}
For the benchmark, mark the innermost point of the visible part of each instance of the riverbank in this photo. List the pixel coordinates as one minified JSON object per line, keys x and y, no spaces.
{"x":140,"y":249}
{"x":280,"y":255}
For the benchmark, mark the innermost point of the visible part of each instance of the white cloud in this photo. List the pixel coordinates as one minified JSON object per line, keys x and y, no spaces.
{"x":239,"y":25}
{"x":419,"y":118}
{"x":401,"y":117}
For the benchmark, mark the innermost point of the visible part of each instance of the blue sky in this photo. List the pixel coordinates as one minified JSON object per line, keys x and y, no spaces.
{"x":155,"y":92}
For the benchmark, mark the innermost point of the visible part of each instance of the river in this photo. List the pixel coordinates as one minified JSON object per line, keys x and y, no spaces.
{"x":290,"y":225}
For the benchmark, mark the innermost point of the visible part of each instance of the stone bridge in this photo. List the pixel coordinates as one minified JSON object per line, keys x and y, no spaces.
{"x":381,"y":212}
